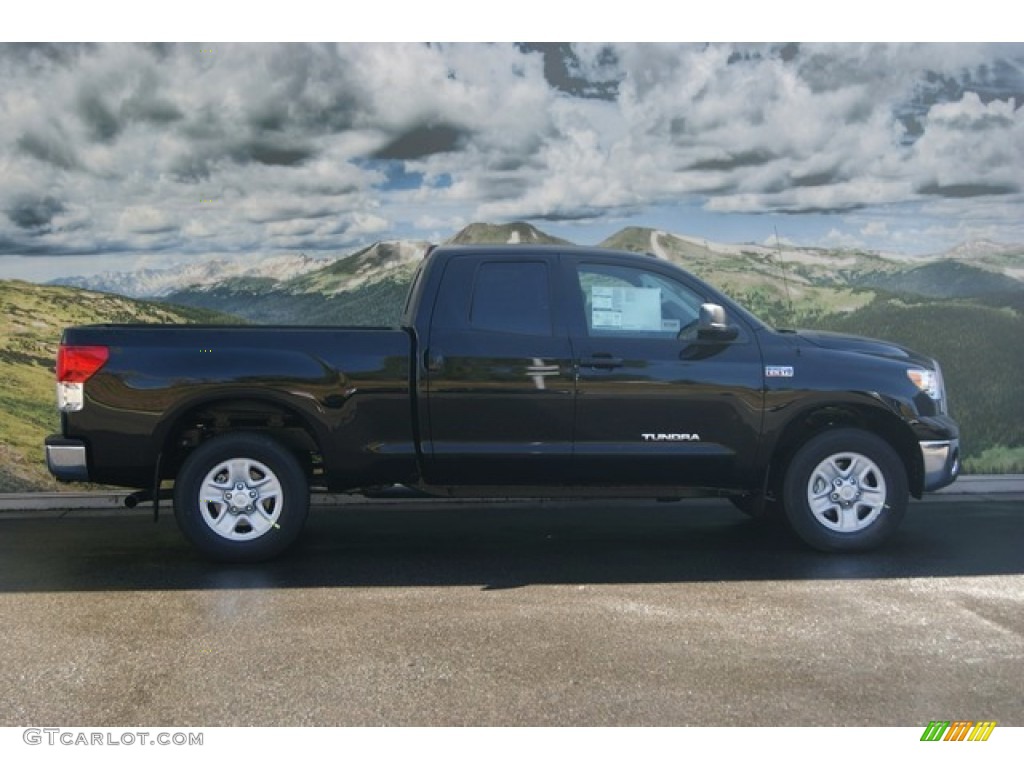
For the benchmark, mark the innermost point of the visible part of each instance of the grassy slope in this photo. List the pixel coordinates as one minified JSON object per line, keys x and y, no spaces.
{"x":377,"y":303}
{"x":478,"y":232}
{"x":944,"y":279}
{"x":31,"y":320}
{"x":982,"y":354}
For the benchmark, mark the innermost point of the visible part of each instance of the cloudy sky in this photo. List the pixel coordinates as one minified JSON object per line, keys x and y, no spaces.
{"x":116,"y":155}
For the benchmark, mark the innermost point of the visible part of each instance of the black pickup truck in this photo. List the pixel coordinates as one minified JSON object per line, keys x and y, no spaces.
{"x":516,"y":371}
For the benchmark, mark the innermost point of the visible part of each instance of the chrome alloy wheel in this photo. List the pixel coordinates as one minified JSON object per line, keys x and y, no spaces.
{"x":846,"y":492}
{"x":241,"y":499}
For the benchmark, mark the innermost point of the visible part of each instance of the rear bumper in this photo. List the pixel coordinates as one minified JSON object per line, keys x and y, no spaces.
{"x":67,"y":459}
{"x":941,"y":462}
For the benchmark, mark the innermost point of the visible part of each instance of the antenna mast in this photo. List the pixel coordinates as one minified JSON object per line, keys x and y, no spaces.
{"x":785,"y":278}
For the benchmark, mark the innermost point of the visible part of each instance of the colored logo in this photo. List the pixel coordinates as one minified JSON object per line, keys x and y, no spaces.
{"x":958,"y":730}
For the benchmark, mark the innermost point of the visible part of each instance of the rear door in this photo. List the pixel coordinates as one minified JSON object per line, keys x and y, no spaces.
{"x":499,"y":371}
{"x":655,"y":404}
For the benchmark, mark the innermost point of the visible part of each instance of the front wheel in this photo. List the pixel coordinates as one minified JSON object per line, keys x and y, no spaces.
{"x":845,"y":490}
{"x":241,"y":498}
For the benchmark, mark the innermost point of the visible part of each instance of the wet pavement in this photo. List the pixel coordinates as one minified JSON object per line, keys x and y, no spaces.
{"x":539,"y":613}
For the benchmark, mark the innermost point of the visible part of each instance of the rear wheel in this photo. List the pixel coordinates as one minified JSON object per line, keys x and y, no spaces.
{"x":845,"y":490}
{"x":241,"y":498}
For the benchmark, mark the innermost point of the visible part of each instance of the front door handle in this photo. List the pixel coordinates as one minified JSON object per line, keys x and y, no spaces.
{"x":601,"y":360}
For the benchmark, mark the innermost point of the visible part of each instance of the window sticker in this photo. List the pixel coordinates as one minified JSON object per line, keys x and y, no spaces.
{"x":620,"y":308}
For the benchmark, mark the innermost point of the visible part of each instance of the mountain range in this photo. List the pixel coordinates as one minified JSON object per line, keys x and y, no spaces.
{"x":974,"y":268}
{"x":154,"y":283}
{"x":785,"y":285}
{"x":372,"y":281}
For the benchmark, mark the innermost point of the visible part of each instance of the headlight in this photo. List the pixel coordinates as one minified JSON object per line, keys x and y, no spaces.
{"x":929,"y":382}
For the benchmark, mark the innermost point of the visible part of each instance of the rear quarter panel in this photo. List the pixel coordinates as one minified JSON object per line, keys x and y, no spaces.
{"x":350,"y":386}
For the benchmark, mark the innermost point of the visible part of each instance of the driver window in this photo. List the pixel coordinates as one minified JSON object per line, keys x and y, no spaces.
{"x":629,"y":302}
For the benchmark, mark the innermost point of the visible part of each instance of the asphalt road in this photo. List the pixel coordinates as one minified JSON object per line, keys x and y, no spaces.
{"x":553,"y":613}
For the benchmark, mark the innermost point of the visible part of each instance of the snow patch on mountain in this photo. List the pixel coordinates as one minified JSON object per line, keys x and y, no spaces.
{"x":978,"y":249}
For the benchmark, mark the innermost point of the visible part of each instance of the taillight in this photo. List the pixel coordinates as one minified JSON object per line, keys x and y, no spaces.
{"x":76,"y":365}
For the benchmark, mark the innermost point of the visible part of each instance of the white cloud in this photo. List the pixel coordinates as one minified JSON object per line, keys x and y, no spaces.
{"x":969,"y":144}
{"x":836,"y":238}
{"x":365,"y":224}
{"x":144,"y":220}
{"x":875,"y":229}
{"x":268,"y":147}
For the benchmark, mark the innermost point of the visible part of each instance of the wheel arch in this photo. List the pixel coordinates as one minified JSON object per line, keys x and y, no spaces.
{"x":196,"y":422}
{"x":872,"y":419}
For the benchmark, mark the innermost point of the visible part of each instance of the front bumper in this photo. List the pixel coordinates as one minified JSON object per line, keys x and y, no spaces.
{"x":941,"y":462}
{"x":67,"y":459}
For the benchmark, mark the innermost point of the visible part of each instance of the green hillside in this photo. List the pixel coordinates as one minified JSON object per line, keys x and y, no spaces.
{"x":367,"y":288}
{"x":371,"y":303}
{"x":516,"y":232}
{"x":380,"y":261}
{"x":32,"y":318}
{"x":982,"y":354}
{"x":942,"y":279}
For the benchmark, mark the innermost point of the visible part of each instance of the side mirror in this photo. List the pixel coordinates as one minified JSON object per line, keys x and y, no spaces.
{"x":712,"y":325}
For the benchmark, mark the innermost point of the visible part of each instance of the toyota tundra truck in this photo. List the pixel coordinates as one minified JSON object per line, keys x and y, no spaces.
{"x":517,"y":371}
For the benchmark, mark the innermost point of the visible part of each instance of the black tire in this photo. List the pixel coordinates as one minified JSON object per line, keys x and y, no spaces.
{"x":845,"y":491}
{"x":241,"y":497}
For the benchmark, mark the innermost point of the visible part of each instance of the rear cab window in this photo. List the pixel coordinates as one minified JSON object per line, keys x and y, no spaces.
{"x":496,"y":296}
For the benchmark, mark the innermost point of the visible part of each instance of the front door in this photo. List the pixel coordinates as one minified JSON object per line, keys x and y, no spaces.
{"x":655,"y":404}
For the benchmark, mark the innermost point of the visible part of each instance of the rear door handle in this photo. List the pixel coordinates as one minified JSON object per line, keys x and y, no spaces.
{"x":601,"y":360}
